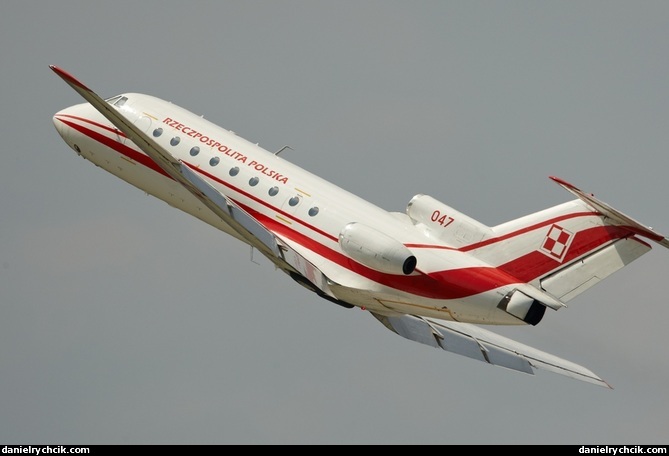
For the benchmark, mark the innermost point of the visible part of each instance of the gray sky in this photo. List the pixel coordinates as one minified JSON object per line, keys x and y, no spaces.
{"x":126,"y":321}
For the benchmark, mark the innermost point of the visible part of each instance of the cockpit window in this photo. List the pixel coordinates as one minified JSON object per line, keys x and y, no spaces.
{"x":118,"y":100}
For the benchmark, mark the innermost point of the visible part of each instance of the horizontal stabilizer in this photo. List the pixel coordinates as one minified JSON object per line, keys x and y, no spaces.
{"x":477,"y":343}
{"x":614,"y":214}
{"x":574,"y":279}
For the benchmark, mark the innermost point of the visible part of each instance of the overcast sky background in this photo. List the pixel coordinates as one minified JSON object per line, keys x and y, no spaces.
{"x":124,"y":321}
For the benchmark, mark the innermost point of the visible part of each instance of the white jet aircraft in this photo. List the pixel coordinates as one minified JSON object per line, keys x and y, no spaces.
{"x":431,"y":274}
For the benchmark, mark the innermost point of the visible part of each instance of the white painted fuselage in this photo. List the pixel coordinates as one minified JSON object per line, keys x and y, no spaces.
{"x":303,"y":209}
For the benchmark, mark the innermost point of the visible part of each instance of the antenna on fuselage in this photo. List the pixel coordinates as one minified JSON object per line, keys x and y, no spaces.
{"x":282,"y":149}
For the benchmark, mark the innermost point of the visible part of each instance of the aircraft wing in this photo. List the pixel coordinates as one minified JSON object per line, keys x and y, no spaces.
{"x":477,"y":343}
{"x":252,"y":231}
{"x":278,"y":251}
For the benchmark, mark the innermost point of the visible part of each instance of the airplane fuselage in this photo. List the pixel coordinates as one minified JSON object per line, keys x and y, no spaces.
{"x":299,"y":206}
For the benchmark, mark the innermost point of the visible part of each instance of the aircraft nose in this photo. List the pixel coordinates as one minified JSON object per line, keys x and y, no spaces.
{"x":63,"y":121}
{"x":61,"y":126}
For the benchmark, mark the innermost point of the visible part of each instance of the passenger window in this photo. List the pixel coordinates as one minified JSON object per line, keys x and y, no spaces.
{"x":214,"y":161}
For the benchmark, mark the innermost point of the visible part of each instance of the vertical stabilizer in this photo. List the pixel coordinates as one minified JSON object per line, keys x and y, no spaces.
{"x":566,"y":249}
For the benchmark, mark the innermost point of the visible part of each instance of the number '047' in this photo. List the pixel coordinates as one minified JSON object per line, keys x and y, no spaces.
{"x":444,"y":220}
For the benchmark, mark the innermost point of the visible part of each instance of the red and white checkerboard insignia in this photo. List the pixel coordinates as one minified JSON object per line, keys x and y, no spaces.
{"x":557,"y":242}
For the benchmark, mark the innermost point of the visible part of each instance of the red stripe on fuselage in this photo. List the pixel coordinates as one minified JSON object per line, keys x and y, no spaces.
{"x":144,"y":159}
{"x":450,"y":284}
{"x":512,"y":234}
{"x":92,"y":122}
{"x":262,"y":202}
{"x":112,"y":143}
{"x":447,"y":284}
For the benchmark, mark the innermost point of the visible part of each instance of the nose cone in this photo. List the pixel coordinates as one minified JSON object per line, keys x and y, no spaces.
{"x":61,"y":127}
{"x":68,"y":123}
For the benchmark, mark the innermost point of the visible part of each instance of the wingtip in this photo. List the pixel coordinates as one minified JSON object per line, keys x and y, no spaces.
{"x":58,"y":71}
{"x":67,"y":77}
{"x":562,"y":182}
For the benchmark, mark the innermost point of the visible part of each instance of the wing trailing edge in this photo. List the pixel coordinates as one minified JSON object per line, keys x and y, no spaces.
{"x":274,"y":248}
{"x":482,"y":345}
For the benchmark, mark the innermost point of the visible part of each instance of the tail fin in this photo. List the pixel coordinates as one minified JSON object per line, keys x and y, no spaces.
{"x":565,"y":249}
{"x":568,"y":248}
{"x":560,"y":251}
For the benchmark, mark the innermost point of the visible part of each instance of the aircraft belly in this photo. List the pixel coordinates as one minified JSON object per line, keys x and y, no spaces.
{"x":377,"y":298}
{"x":476,"y":309}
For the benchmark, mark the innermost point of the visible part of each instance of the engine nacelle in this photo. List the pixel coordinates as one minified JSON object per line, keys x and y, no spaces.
{"x":446,"y":223}
{"x":376,"y":250}
{"x":523,"y":307}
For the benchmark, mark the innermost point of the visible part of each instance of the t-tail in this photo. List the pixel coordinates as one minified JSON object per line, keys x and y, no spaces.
{"x":560,"y":251}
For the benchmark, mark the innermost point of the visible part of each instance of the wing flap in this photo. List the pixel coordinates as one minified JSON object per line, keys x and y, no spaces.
{"x":483,"y":345}
{"x":230,"y":212}
{"x":276,"y":249}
